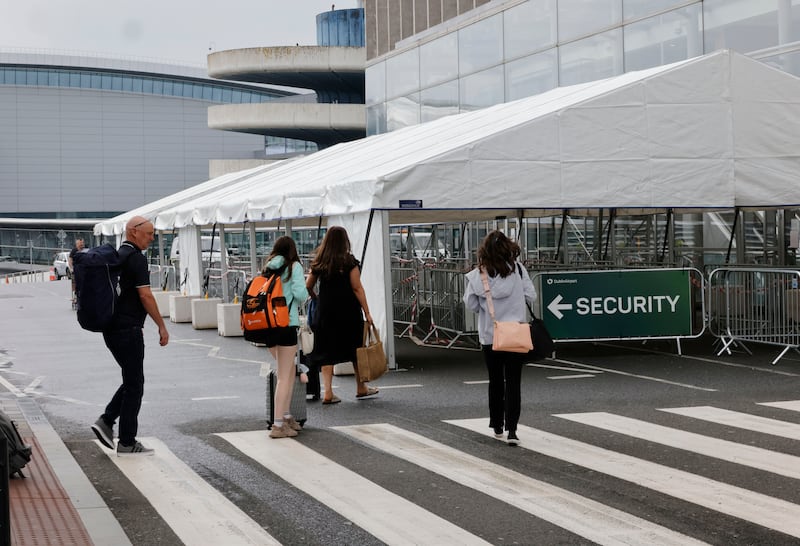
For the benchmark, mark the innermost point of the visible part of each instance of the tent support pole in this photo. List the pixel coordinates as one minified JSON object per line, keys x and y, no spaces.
{"x":366,"y":237}
{"x":611,"y":216}
{"x":562,"y":257}
{"x":733,"y":235}
{"x":667,"y":247}
{"x":253,"y":260}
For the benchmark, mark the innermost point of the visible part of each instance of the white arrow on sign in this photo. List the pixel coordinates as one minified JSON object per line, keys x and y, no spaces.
{"x":556,"y":306}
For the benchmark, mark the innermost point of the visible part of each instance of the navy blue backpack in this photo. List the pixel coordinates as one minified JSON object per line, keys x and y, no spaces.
{"x":97,"y":286}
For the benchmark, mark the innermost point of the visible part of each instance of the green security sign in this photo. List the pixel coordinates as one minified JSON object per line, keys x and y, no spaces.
{"x":617,"y":304}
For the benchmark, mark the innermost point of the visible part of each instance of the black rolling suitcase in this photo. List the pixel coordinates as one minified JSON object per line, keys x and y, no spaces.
{"x":313,"y":387}
{"x":297,"y":405}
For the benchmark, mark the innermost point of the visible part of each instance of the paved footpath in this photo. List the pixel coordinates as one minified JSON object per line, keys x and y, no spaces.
{"x":55,"y":504}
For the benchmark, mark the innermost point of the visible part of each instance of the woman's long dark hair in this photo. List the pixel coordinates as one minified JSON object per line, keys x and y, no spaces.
{"x":497,"y":254}
{"x":333,"y":253}
{"x":285,"y":247}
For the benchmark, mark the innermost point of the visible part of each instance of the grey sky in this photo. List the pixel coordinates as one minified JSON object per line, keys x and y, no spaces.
{"x":168,"y":30}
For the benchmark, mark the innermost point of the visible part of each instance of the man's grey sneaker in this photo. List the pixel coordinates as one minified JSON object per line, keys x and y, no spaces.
{"x":135,"y":449}
{"x":512,"y":438}
{"x":104,"y":433}
{"x":498,"y":433}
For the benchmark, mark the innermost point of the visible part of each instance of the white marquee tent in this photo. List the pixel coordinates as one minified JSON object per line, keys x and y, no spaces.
{"x":715,"y":132}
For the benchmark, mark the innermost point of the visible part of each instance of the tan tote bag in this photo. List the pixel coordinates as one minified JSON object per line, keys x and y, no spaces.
{"x":372,"y":361}
{"x":511,"y":337}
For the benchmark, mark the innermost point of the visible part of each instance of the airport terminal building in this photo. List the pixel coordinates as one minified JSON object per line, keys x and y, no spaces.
{"x":430,"y":59}
{"x":84,"y":137}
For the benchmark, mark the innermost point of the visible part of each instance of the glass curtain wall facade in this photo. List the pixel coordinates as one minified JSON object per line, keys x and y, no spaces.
{"x":510,"y":50}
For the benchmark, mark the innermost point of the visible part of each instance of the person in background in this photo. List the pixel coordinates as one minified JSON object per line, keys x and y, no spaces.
{"x":125,"y":340}
{"x":282,"y":342}
{"x":511,"y":287}
{"x":79,"y":247}
{"x":341,"y":308}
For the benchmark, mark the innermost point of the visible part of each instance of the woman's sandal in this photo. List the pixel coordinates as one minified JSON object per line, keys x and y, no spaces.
{"x":371,"y":391}
{"x":334,"y":400}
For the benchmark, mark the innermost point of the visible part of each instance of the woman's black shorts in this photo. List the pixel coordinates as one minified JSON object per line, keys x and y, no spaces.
{"x":285,"y":337}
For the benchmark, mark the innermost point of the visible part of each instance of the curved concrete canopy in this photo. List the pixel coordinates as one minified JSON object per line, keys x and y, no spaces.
{"x":324,"y":124}
{"x":308,"y":67}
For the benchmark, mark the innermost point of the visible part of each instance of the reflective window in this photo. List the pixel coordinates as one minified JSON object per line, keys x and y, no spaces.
{"x":482,"y":89}
{"x":633,"y":9}
{"x":440,"y":101}
{"x":376,"y":119}
{"x":672,"y":36}
{"x":127,"y":83}
{"x":532,"y":75}
{"x":529,"y":27}
{"x":402,"y":112}
{"x":578,"y":18}
{"x":742,"y":26}
{"x":376,"y":83}
{"x":480,"y":45}
{"x":402,"y":73}
{"x":438,"y":60}
{"x":593,"y":58}
{"x":788,"y":62}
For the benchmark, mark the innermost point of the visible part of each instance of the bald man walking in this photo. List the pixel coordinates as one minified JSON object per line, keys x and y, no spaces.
{"x":125,"y":340}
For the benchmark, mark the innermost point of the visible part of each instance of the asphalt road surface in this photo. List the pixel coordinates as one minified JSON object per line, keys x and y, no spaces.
{"x":620,"y":442}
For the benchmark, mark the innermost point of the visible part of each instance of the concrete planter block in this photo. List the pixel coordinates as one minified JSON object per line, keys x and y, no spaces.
{"x":204,"y":313}
{"x":180,"y":307}
{"x":343,"y":368}
{"x":162,"y":300}
{"x":228,"y":321}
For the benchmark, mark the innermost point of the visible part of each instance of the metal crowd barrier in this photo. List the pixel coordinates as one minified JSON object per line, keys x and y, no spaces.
{"x":755,"y":305}
{"x":427,"y":301}
{"x":405,"y":289}
{"x":163,"y":277}
{"x":236,"y":280}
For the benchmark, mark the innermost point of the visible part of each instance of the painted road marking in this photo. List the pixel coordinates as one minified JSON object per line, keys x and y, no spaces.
{"x":588,"y":367}
{"x":757,"y":508}
{"x":387,"y":516}
{"x":574,"y":376}
{"x":754,"y":457}
{"x":194,"y":510}
{"x":585,"y":517}
{"x":740,"y":420}
{"x":792,"y":405}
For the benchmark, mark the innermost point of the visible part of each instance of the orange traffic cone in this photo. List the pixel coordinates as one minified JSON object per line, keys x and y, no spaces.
{"x":52,"y":274}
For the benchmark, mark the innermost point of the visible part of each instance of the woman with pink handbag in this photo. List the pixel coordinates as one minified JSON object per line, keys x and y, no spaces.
{"x":497,"y":290}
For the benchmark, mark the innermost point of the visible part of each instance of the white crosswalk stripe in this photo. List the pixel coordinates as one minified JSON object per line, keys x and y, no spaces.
{"x":754,"y":457}
{"x":387,"y":516}
{"x":737,"y":419}
{"x":195,"y":511}
{"x":735,"y":501}
{"x":582,"y":516}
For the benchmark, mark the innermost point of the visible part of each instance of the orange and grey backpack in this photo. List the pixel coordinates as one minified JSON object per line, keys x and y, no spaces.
{"x":264,"y":306}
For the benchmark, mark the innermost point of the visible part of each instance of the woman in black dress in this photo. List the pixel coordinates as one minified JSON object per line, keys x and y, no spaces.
{"x":339,"y":323}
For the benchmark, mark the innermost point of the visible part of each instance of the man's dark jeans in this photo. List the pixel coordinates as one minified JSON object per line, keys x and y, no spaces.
{"x":127,"y":346}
